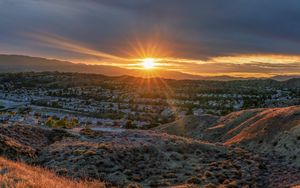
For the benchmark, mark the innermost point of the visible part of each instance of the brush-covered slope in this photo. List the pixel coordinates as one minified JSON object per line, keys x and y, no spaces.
{"x":132,"y":157}
{"x":141,"y":158}
{"x":274,"y":130}
{"x":19,"y":175}
{"x":189,"y":126}
{"x":151,"y":160}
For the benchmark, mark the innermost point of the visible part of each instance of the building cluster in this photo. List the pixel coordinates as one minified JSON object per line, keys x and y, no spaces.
{"x":119,"y":105}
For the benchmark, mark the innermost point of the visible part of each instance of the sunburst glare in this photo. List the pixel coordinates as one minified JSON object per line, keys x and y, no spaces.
{"x":148,"y":63}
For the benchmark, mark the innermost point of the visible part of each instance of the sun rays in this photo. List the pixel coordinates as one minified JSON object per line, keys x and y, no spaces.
{"x":149,"y":63}
{"x":152,"y":56}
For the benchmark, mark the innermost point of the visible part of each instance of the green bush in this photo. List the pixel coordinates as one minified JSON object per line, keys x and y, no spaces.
{"x":62,"y":123}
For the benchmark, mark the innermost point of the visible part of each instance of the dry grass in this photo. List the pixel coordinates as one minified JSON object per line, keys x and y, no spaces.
{"x":19,"y":175}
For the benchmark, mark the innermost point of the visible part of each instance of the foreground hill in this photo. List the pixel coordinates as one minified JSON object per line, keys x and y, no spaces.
{"x":131,"y":157}
{"x":272,"y":131}
{"x":141,"y":158}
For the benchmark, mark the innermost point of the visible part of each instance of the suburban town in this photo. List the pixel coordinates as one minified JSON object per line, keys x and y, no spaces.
{"x":53,"y":99}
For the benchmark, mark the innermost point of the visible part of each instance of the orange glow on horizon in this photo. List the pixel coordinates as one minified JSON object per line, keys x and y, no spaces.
{"x":154,"y":55}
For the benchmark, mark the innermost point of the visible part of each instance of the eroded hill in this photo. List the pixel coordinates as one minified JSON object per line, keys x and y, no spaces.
{"x":272,"y":131}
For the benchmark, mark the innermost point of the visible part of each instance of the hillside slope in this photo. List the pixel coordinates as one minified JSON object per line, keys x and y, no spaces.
{"x":190,"y":126}
{"x":123,"y":158}
{"x":150,"y":159}
{"x":16,"y":174}
{"x":275,"y":130}
{"x":271,"y":131}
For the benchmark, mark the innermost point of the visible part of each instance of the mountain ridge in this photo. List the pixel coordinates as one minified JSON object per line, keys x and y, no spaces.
{"x":22,"y":63}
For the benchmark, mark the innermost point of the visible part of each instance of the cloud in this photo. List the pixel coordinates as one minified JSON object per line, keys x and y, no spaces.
{"x":189,"y":35}
{"x":68,"y":45}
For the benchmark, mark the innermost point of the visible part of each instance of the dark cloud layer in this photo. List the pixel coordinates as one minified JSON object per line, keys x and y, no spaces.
{"x":196,"y":29}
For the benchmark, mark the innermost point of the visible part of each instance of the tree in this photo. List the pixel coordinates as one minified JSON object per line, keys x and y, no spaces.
{"x":190,"y":111}
{"x":129,"y":125}
{"x":50,"y":122}
{"x":60,"y":123}
{"x":55,"y":104}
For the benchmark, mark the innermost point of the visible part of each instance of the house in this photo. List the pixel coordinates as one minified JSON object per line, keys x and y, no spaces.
{"x":198,"y":112}
{"x":167,"y":112}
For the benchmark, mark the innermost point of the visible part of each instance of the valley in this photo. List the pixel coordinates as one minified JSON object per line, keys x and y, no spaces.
{"x":94,"y":132}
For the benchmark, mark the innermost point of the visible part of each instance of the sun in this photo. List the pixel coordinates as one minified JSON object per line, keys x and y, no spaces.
{"x":148,"y":63}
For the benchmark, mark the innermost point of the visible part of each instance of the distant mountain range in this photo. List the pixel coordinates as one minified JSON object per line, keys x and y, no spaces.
{"x":20,"y":63}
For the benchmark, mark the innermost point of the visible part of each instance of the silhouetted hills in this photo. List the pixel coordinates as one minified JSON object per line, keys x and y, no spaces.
{"x":20,"y":63}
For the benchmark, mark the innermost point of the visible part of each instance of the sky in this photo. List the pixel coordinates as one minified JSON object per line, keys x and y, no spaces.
{"x":205,"y":37}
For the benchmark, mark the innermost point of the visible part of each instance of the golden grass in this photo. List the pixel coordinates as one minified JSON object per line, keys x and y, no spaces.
{"x":19,"y":175}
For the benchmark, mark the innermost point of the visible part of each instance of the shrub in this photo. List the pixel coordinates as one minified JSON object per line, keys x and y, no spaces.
{"x":208,"y":174}
{"x":194,"y":180}
{"x":134,"y":185}
{"x":210,"y":185}
{"x":50,"y":122}
{"x":87,"y":131}
{"x":129,"y":125}
{"x":61,"y":123}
